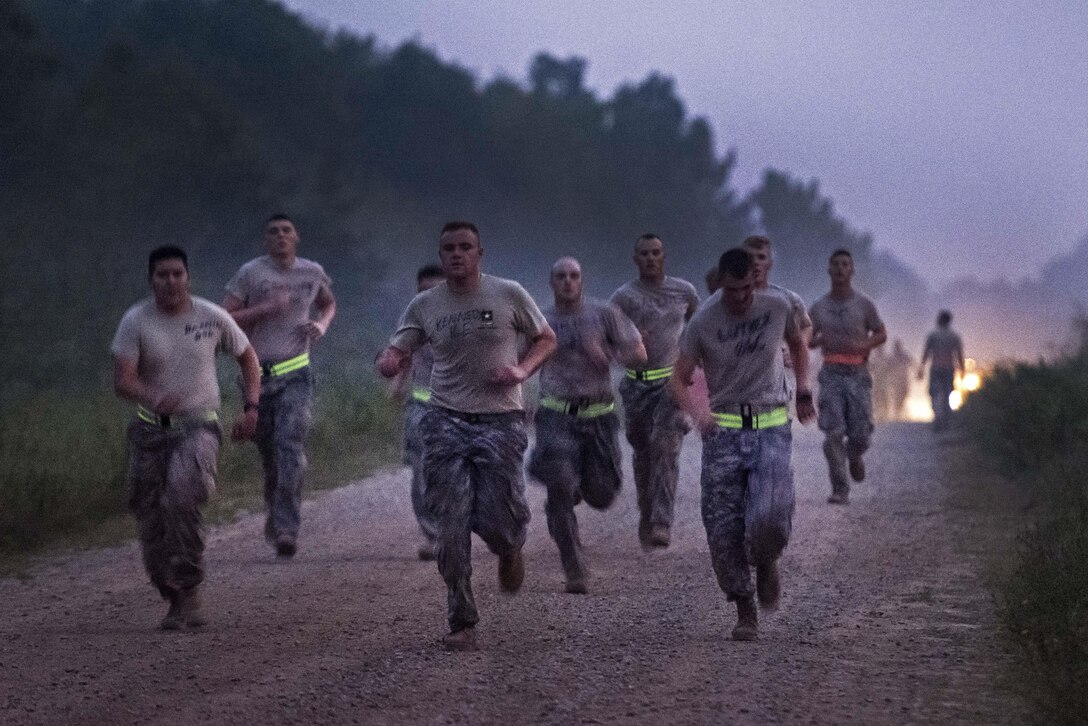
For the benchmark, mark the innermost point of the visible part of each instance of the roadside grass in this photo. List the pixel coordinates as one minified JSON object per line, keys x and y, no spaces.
{"x":62,"y":464}
{"x":1033,"y":421}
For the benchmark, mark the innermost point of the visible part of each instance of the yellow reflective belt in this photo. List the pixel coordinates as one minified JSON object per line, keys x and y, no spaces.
{"x":589,"y":410}
{"x":286,"y":366}
{"x":421,"y":394}
{"x":768,"y":419}
{"x":166,"y":421}
{"x":655,"y":374}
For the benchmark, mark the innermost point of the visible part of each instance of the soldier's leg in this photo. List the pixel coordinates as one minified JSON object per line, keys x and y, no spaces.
{"x":859,"y":420}
{"x":501,"y":512}
{"x":724,"y":500}
{"x":448,"y":501}
{"x":294,"y":415}
{"x":638,"y":428}
{"x":149,"y":451}
{"x":554,"y":462}
{"x":413,"y":457}
{"x":832,"y":421}
{"x":265,"y":439}
{"x":670,"y":427}
{"x":601,"y":472}
{"x":769,"y":516}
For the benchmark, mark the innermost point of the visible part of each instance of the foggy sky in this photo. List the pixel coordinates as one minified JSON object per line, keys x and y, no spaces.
{"x":955,"y":132}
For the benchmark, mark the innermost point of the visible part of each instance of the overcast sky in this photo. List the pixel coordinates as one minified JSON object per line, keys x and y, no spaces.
{"x":955,"y":132}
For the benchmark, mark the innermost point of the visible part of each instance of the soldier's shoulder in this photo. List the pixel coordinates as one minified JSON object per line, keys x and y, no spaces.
{"x":679,"y":283}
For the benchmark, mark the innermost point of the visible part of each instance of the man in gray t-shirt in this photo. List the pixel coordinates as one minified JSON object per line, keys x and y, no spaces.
{"x":474,"y":428}
{"x":577,"y":452}
{"x":659,"y":306}
{"x":945,"y":349}
{"x":413,"y":387}
{"x":846,"y":327}
{"x":164,"y":361}
{"x":274,"y":298}
{"x":747,"y":480}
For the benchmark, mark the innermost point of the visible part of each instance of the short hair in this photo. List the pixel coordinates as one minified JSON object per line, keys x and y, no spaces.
{"x":944,"y":317}
{"x":428,"y":271}
{"x":648,"y":235}
{"x":757,"y":242}
{"x":840,"y":252}
{"x":713,"y":279}
{"x":166,"y":252}
{"x":457,"y":225}
{"x":735,"y":263}
{"x":279,"y":217}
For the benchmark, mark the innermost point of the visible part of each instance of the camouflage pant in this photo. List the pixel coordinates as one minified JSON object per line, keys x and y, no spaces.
{"x":283,"y":421}
{"x":845,"y":417}
{"x":413,"y":457}
{"x":942,"y":382}
{"x":472,"y":469}
{"x":655,"y":428}
{"x":576,"y":459}
{"x":171,"y":474}
{"x":747,"y":502}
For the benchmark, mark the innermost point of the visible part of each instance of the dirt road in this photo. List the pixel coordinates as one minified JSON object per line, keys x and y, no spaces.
{"x":884,"y":620}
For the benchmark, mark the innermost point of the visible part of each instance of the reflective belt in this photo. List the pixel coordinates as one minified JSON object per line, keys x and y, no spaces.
{"x":286,"y":366}
{"x":573,"y":408}
{"x":168,"y":421}
{"x":654,"y":374}
{"x":768,"y":419}
{"x":421,"y":394}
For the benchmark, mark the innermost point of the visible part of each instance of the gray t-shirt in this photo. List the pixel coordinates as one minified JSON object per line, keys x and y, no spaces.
{"x":570,"y":373}
{"x":472,"y":335}
{"x":800,"y":314}
{"x":176,"y":353}
{"x":278,"y":337}
{"x":944,"y":347}
{"x":659,"y":313}
{"x":422,"y":362}
{"x":845,"y":324}
{"x":740,"y":354}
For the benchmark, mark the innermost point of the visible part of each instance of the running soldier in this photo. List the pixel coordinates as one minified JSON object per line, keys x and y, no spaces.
{"x":474,"y":428}
{"x":164,"y":361}
{"x":946,"y":349}
{"x":271,"y":297}
{"x":759,"y":247}
{"x":846,"y":327}
{"x":659,"y":306}
{"x":747,"y":479}
{"x":577,"y":452}
{"x":414,"y":388}
{"x":898,"y":365}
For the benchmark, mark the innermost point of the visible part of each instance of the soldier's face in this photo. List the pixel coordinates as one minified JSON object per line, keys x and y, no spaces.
{"x":737,"y":294}
{"x":280,"y":238}
{"x":840,"y":268}
{"x":650,"y":257}
{"x":170,"y":283}
{"x":566,"y":282}
{"x":761,"y":264}
{"x":460,"y":253}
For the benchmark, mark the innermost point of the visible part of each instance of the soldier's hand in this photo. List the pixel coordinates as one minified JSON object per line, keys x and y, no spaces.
{"x":392,"y":361}
{"x":312,"y":329}
{"x":167,"y":403}
{"x":704,"y":421}
{"x":245,"y":426}
{"x":597,"y":354}
{"x":806,"y":409}
{"x":509,"y":376}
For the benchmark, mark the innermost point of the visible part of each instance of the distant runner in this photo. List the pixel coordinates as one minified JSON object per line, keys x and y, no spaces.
{"x":164,"y":361}
{"x":414,"y":388}
{"x":577,"y":451}
{"x":898,"y":368}
{"x":846,"y":326}
{"x":946,"y":349}
{"x":272,"y":297}
{"x":659,"y":306}
{"x":474,"y":429}
{"x":747,"y":478}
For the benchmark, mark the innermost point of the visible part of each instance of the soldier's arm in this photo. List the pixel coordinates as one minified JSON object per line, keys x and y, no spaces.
{"x":680,"y":389}
{"x":127,"y":385}
{"x":795,"y":339}
{"x":246,"y":423}
{"x":325,"y":303}
{"x":247,"y":316}
{"x":392,"y":361}
{"x":541,"y":349}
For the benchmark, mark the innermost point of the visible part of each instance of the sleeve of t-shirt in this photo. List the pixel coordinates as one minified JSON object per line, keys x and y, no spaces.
{"x":692,"y":296}
{"x":528,"y":320}
{"x":126,"y":341}
{"x":410,"y":335}
{"x":238,"y":286}
{"x":690,"y":344}
{"x":232,"y":340}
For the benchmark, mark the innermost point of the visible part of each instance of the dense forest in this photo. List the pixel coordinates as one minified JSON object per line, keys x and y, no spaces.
{"x":125,"y":124}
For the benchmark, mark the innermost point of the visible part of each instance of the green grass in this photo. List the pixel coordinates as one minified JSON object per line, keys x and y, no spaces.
{"x":62,"y":463}
{"x":1033,"y":420}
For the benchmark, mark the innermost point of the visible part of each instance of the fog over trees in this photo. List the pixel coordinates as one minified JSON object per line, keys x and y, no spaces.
{"x":126,"y":124}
